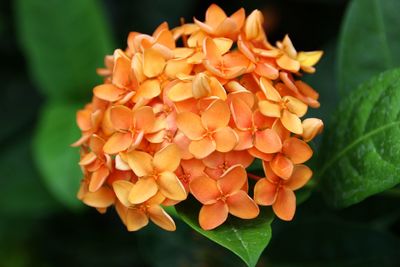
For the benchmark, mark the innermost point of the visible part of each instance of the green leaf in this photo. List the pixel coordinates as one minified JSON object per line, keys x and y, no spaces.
{"x":56,"y":160}
{"x":361,"y":148}
{"x":64,"y":41}
{"x":245,"y":238}
{"x":369,"y":41}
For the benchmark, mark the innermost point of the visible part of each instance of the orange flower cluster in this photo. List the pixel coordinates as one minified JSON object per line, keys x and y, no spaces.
{"x":171,"y":121}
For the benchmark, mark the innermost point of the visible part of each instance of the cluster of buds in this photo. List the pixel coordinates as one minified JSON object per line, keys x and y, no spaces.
{"x":171,"y":121}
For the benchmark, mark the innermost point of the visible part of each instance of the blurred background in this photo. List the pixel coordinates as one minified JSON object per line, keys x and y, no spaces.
{"x":50,"y":50}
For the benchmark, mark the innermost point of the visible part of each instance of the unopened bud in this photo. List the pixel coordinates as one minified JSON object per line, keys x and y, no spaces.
{"x":311,"y":127}
{"x":201,"y":86}
{"x":254,"y":26}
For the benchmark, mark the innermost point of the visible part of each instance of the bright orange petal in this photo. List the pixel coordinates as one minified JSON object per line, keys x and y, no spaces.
{"x":108,"y":92}
{"x":153,"y":63}
{"x":232,"y":180}
{"x":121,"y":117}
{"x":225,"y":139}
{"x":102,"y":198}
{"x":282,"y":166}
{"x":267,"y":141}
{"x":149,"y":89}
{"x":241,"y":114}
{"x":118,"y":142}
{"x":285,"y":204}
{"x":215,"y":15}
{"x":269,"y":109}
{"x":301,"y":175}
{"x":205,"y":189}
{"x":265,"y":192}
{"x":212,"y":52}
{"x":291,"y":122}
{"x":88,"y":159}
{"x":213,"y":215}
{"x":202,"y":148}
{"x":297,"y":150}
{"x":180,"y":91}
{"x":217,"y":115}
{"x":136,"y":219}
{"x":170,"y":186}
{"x":122,"y":189}
{"x":242,"y":206}
{"x":167,"y":159}
{"x":190,"y":124}
{"x":161,"y":218}
{"x":287,"y":63}
{"x":98,"y":178}
{"x":269,"y":91}
{"x":295,"y":106}
{"x":142,"y":190}
{"x":140,"y":162}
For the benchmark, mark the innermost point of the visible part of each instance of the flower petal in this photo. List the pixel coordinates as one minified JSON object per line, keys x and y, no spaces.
{"x":108,"y":92}
{"x":212,"y":53}
{"x":232,"y":180}
{"x":242,"y":114}
{"x":180,"y":91}
{"x":245,"y":140}
{"x":217,"y":115}
{"x":267,"y":141}
{"x":170,"y":186}
{"x":285,"y":204}
{"x":301,"y":175}
{"x":136,"y":219}
{"x":225,"y":139}
{"x":153,"y":63}
{"x":118,"y":142}
{"x":98,"y":178}
{"x":144,"y":118}
{"x":265,"y":192}
{"x":167,"y":159}
{"x":190,"y":124}
{"x":297,"y":150}
{"x":287,"y":63}
{"x":122,"y":189}
{"x":239,"y":157}
{"x":140,"y":162}
{"x":204,"y":189}
{"x":149,"y":89}
{"x":269,"y":108}
{"x":143,"y":190}
{"x":202,"y":148}
{"x":215,"y":15}
{"x":282,"y":166}
{"x":242,"y":206}
{"x":161,"y":218}
{"x":213,"y":215}
{"x":291,"y":122}
{"x":311,"y":127}
{"x":269,"y":91}
{"x":102,"y":198}
{"x":121,"y":117}
{"x":295,"y":106}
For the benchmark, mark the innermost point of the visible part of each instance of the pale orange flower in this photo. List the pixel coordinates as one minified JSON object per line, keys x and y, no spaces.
{"x":189,"y":170}
{"x":224,"y":196}
{"x":278,"y":192}
{"x":209,"y":132}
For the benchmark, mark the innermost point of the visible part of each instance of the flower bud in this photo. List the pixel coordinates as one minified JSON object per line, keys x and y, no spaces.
{"x":311,"y":127}
{"x":254,"y":26}
{"x":201,"y":86}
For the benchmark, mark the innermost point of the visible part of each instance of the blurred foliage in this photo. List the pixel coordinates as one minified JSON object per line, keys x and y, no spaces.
{"x":61,"y":43}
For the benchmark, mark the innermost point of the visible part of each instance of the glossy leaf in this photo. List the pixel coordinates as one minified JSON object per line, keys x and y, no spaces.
{"x":369,"y":41}
{"x":361,"y":148}
{"x":245,"y":238}
{"x":56,"y":160}
{"x":64,"y":41}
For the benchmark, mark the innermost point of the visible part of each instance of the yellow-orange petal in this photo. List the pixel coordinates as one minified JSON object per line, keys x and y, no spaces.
{"x":161,"y":218}
{"x":232,"y":180}
{"x":285,"y":204}
{"x":211,"y":52}
{"x":148,"y":90}
{"x":167,"y":159}
{"x":287,"y":63}
{"x":267,"y":141}
{"x":254,"y":26}
{"x":282,"y":166}
{"x":190,"y":124}
{"x":144,"y":119}
{"x":204,"y":189}
{"x":122,"y":189}
{"x":140,"y":162}
{"x":311,"y":127}
{"x":108,"y":92}
{"x":265,"y":192}
{"x":295,"y":106}
{"x":223,"y":44}
{"x":180,"y":91}
{"x":266,"y":70}
{"x":121,"y":117}
{"x":242,"y":206}
{"x":98,"y":178}
{"x":136,"y":219}
{"x":175,"y":67}
{"x":291,"y":122}
{"x":153,"y":63}
{"x":120,"y":164}
{"x":216,"y":116}
{"x":269,"y":91}
{"x":297,"y":150}
{"x":202,"y":148}
{"x":170,"y":186}
{"x":88,"y":159}
{"x":201,"y":86}
{"x":118,"y":142}
{"x":301,"y":175}
{"x":143,"y":190}
{"x":213,"y":215}
{"x":269,"y":108}
{"x":102,"y":198}
{"x":309,"y":59}
{"x":225,"y":139}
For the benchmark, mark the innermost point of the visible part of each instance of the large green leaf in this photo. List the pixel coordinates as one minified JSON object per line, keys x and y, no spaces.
{"x":369,"y":41}
{"x":64,"y":41}
{"x":245,"y":238}
{"x":361,"y":149}
{"x":57,"y":161}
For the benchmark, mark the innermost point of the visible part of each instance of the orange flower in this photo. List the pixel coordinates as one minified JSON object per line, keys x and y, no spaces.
{"x":218,"y":24}
{"x":156,"y":174}
{"x":189,"y":170}
{"x":217,"y":163}
{"x":209,"y":132}
{"x":224,"y":196}
{"x":278,"y":192}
